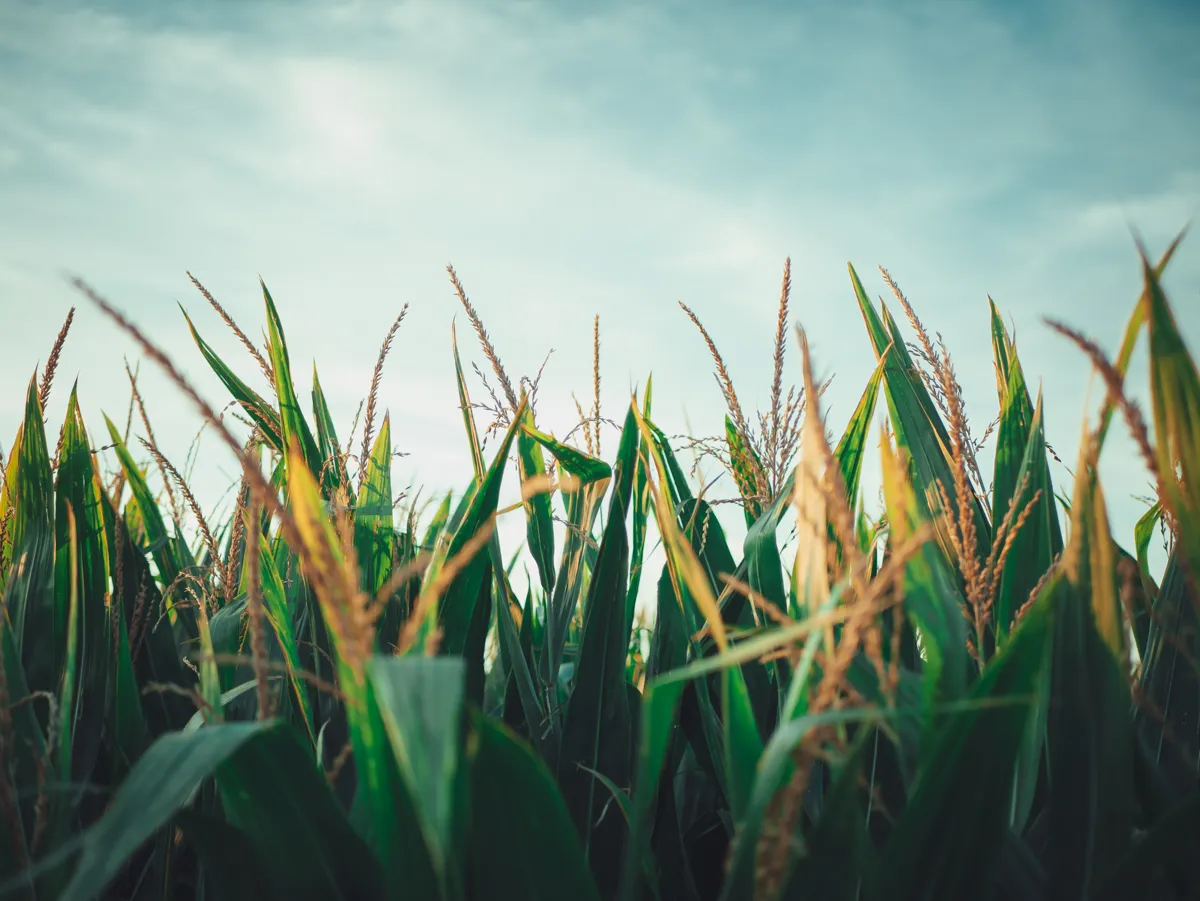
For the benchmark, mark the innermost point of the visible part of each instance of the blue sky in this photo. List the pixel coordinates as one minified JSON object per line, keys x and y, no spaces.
{"x":572,"y":159}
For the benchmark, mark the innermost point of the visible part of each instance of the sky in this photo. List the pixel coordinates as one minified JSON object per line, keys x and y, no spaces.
{"x":573,"y":159}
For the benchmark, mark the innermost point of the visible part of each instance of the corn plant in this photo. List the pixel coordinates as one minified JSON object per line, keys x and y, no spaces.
{"x":969,"y":695}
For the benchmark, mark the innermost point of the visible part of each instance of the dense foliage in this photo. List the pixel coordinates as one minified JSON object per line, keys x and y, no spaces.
{"x":979,"y":694}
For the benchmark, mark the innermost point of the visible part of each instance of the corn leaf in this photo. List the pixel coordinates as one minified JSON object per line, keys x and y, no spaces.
{"x":293,"y":426}
{"x":931,"y":599}
{"x":274,"y":794}
{"x":332,"y":463}
{"x":1089,"y":726}
{"x":162,"y":544}
{"x":536,"y":854}
{"x":918,"y":425}
{"x":933,"y":851}
{"x":373,"y":522}
{"x":39,"y":629}
{"x":78,"y":489}
{"x":597,"y":732}
{"x":262,"y":413}
{"x":457,"y":607}
{"x":421,"y":703}
{"x":160,"y":784}
{"x":539,"y":522}
{"x":1039,"y":541}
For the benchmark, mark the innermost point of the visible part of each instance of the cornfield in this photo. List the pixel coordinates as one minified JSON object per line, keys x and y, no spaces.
{"x":977,"y":692}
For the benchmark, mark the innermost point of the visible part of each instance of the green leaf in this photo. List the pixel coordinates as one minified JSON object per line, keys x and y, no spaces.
{"x":522,"y":842}
{"x":671,"y":639}
{"x":738,"y":753}
{"x":181,"y":594}
{"x":774,"y":772}
{"x":63,"y":805}
{"x":597,"y":734}
{"x":464,"y":405}
{"x":1039,"y":541}
{"x":77,"y":489}
{"x":919,"y":427}
{"x":161,"y":783}
{"x":1175,"y":398}
{"x":279,"y":618}
{"x":1143,"y":531}
{"x":1016,"y":418}
{"x":933,"y":850}
{"x":839,"y":855}
{"x":333,"y":465}
{"x":154,"y":655}
{"x":373,"y":521}
{"x":124,"y":720}
{"x":582,"y":506}
{"x":1169,"y":678}
{"x":263,"y":414}
{"x":421,"y":702}
{"x":386,"y":816}
{"x":1089,"y":732}
{"x":1132,"y":330}
{"x":932,"y":601}
{"x":39,"y":629}
{"x":293,"y":426}
{"x":640,"y":517}
{"x":852,"y":447}
{"x":30,"y":749}
{"x":457,"y":607}
{"x":660,"y":705}
{"x":273,"y":792}
{"x":745,"y":465}
{"x":539,"y":523}
{"x":575,"y":462}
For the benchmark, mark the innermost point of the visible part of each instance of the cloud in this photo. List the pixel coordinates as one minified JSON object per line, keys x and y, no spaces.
{"x":573,"y":160}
